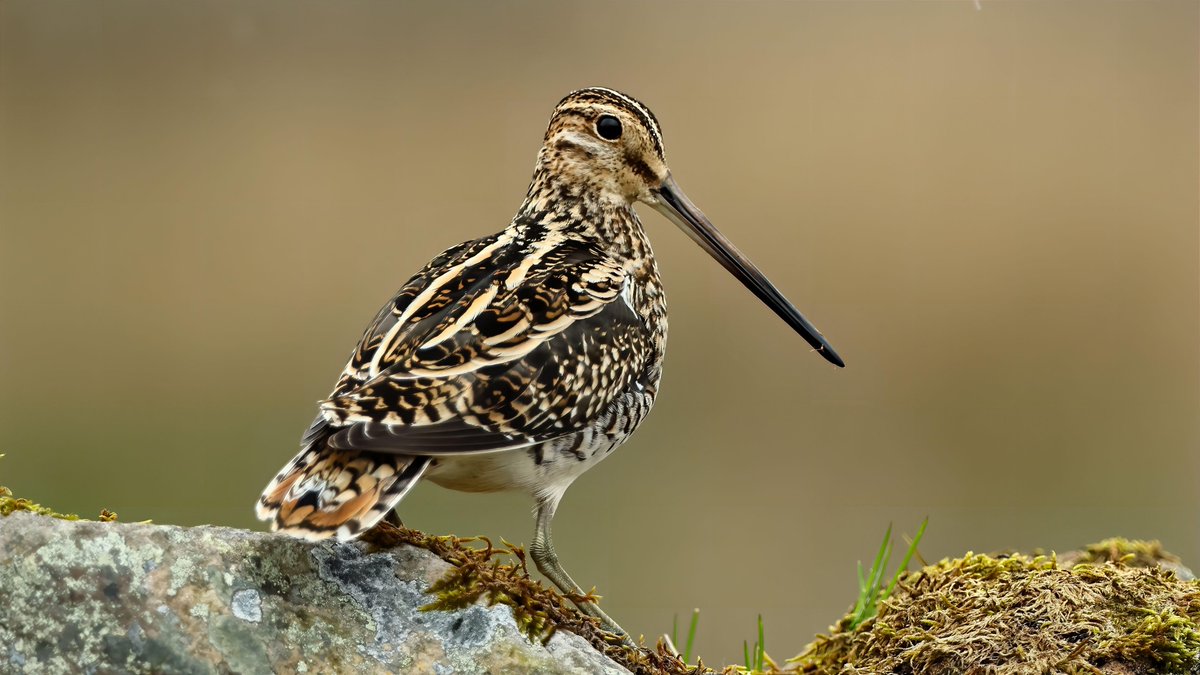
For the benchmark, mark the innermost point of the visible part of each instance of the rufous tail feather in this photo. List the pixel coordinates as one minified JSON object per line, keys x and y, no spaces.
{"x":324,"y":492}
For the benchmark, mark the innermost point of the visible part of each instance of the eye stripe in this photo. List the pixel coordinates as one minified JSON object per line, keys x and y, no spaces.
{"x":644,"y":116}
{"x":640,"y":168}
{"x":647,"y":118}
{"x":616,"y":98}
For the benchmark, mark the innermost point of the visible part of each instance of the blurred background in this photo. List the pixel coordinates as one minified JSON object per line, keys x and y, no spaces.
{"x":991,"y":211}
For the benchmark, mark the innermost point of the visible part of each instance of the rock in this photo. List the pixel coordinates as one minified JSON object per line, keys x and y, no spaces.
{"x":137,"y":598}
{"x":91,"y":597}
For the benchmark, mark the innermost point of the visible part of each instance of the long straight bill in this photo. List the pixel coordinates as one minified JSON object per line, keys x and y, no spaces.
{"x":675,"y":205}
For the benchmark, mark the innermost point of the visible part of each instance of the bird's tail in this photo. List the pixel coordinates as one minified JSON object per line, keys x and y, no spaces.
{"x":325,"y":492}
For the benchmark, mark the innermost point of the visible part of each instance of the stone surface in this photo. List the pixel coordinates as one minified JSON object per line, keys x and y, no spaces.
{"x":133,"y":598}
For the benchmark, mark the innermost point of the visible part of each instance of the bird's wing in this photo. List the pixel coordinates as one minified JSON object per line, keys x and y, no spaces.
{"x":498,"y":344}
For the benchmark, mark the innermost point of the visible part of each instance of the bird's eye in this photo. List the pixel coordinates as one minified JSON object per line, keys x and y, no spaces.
{"x":608,"y":127}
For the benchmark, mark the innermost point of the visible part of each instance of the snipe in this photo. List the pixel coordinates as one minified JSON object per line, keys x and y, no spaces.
{"x":519,"y":360}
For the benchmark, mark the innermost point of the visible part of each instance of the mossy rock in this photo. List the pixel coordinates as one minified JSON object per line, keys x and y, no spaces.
{"x":1116,"y":607}
{"x":108,"y":597}
{"x":1119,"y":607}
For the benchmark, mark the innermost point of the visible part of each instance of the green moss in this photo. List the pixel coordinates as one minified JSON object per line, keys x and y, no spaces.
{"x":498,"y":575}
{"x":1110,"y":605}
{"x":1114,"y":604}
{"x":1132,"y":552}
{"x":10,"y":504}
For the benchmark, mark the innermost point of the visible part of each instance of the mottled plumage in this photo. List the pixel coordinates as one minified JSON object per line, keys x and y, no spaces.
{"x":520,"y":359}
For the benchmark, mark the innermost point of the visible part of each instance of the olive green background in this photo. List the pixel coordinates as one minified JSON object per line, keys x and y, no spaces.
{"x":991,"y":211}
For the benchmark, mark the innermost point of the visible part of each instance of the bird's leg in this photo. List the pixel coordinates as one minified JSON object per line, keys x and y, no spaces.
{"x":393,"y":518}
{"x":542,"y":552}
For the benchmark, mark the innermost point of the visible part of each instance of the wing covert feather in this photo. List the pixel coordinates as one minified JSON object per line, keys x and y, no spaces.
{"x":499,"y":345}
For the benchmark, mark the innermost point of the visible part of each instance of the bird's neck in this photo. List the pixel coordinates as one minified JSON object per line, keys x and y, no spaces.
{"x":584,"y":210}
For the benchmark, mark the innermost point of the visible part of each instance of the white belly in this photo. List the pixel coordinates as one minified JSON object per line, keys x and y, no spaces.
{"x":549,"y":467}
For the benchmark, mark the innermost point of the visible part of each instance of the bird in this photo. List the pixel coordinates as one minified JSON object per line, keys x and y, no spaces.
{"x":519,"y":360}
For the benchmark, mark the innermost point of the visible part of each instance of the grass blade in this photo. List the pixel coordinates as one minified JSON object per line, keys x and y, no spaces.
{"x":760,"y":656}
{"x":868,"y":585}
{"x":691,"y":639}
{"x":912,"y":548}
{"x":881,"y":559}
{"x":860,"y":603}
{"x":872,"y":590}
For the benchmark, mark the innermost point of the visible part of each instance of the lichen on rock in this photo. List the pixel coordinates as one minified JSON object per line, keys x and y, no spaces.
{"x":83,"y":596}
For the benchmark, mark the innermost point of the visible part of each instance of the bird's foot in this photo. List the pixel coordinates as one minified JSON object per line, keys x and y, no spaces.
{"x":606,"y":623}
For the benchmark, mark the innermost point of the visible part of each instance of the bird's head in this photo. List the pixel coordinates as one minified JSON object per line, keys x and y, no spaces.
{"x":607,"y":143}
{"x":608,"y":146}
